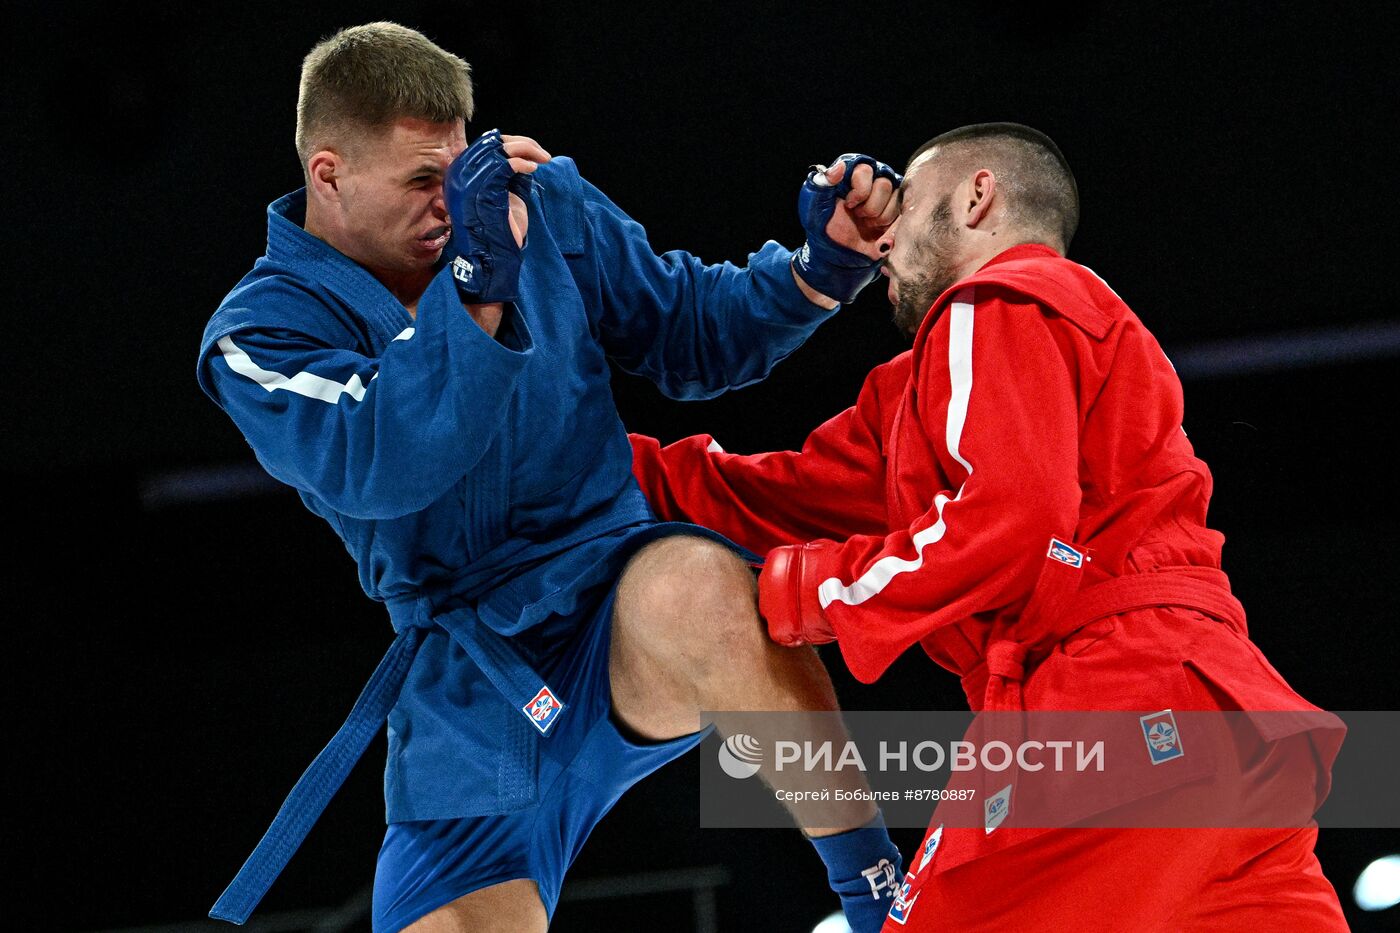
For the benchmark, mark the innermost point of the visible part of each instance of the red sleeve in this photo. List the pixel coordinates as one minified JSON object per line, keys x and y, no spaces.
{"x":997,"y":402}
{"x":833,"y":488}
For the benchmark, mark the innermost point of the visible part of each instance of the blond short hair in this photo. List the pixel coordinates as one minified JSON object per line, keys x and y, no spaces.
{"x":363,"y":78}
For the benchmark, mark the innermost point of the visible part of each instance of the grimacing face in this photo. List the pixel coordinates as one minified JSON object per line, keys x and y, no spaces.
{"x":392,"y":208}
{"x":922,"y":260}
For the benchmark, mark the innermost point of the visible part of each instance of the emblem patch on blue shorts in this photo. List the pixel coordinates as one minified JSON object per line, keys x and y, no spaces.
{"x":1065,"y":554}
{"x":543,"y":710}
{"x":903,"y":903}
{"x":1163,"y":740}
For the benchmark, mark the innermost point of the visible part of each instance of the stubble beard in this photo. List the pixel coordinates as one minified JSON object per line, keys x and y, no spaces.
{"x":934,"y":258}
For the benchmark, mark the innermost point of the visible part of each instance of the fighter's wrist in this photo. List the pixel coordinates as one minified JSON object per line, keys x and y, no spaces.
{"x":487,"y":315}
{"x":833,"y":271}
{"x":810,"y":293}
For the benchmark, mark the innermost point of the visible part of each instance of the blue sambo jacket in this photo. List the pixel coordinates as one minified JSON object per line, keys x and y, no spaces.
{"x":480,"y":484}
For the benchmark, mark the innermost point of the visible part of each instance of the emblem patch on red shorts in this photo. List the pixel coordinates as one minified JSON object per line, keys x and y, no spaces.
{"x":930,"y":847}
{"x":995,"y":809}
{"x":903,"y":903}
{"x":543,"y":710}
{"x":1163,"y":740}
{"x":1065,"y":554}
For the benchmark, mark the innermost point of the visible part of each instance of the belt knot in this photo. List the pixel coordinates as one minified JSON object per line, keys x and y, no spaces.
{"x":410,"y":612}
{"x":1007,"y":659}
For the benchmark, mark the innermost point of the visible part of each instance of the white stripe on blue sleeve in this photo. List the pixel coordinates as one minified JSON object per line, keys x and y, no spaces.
{"x":303,"y":383}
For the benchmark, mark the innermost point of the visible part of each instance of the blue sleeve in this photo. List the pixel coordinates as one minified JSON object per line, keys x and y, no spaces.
{"x":693,"y":329}
{"x":373,"y":438}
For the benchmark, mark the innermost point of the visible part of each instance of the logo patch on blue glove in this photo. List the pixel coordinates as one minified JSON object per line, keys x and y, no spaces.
{"x":462,"y":272}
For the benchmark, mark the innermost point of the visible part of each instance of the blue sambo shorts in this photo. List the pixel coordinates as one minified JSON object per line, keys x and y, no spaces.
{"x":584,"y":767}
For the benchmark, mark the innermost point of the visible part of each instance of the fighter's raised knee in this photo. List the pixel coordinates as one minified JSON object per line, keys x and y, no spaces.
{"x":688,"y":577}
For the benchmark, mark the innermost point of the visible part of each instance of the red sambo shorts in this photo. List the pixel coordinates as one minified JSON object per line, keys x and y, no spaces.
{"x":1245,"y":877}
{"x":1143,"y":880}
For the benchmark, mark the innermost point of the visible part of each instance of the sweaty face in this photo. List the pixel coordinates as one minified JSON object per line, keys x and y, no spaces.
{"x":922,"y":261}
{"x":392,"y":209}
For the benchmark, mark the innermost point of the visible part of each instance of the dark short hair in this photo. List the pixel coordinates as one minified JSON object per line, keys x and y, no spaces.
{"x":1042,"y":194}
{"x":365,"y":77}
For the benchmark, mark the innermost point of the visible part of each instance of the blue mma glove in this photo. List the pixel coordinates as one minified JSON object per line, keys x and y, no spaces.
{"x":827,"y":266}
{"x":485,"y":259}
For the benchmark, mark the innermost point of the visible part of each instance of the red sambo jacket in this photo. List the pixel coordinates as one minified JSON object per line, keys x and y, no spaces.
{"x":1020,"y":474}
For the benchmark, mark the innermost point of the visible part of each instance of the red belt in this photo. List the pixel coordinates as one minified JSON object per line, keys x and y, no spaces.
{"x":1058,"y":608}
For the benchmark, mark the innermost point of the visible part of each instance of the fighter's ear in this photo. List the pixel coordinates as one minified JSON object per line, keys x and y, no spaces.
{"x":981,"y":194}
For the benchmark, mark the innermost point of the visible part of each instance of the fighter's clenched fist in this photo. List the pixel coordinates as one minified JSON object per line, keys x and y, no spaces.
{"x":869,"y":206}
{"x":845,"y":209}
{"x":485,"y":190}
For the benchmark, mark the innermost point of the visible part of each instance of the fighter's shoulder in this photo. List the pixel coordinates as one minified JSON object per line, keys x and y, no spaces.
{"x":559,"y":170}
{"x":886,"y":384}
{"x":1069,"y":290}
{"x":563,"y":195}
{"x":560,"y":178}
{"x":893,"y":373}
{"x":273,"y":299}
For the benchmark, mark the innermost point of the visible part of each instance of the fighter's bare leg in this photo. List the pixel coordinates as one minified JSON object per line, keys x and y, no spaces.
{"x":508,"y":907}
{"x":687,"y":637}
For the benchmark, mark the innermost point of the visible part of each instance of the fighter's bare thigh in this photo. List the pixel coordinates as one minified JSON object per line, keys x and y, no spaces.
{"x":680,"y":604}
{"x":509,"y":907}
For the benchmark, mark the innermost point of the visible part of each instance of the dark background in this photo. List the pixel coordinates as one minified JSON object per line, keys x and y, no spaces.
{"x":179,"y":663}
